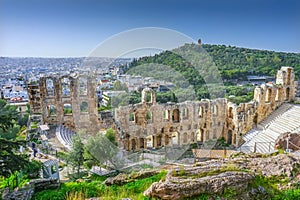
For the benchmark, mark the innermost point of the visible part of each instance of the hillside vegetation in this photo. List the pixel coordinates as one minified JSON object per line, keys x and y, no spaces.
{"x":199,"y":64}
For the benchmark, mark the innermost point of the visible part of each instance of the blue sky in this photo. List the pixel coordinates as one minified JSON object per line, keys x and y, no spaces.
{"x":59,"y":28}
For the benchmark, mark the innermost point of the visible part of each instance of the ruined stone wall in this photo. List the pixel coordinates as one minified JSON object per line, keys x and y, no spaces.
{"x":149,"y":124}
{"x":34,"y":98}
{"x":60,"y":94}
{"x":267,"y":98}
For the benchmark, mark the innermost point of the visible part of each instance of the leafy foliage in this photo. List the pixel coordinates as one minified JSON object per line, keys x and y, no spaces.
{"x":118,"y":86}
{"x":103,"y":150}
{"x":233,"y":63}
{"x":10,"y":160}
{"x":76,"y":154}
{"x":8,"y":115}
{"x":111,"y":135}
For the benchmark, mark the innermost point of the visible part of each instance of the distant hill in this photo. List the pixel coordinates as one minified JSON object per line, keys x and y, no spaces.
{"x":232,"y":63}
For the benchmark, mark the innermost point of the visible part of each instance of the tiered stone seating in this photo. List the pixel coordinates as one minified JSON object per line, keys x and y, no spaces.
{"x":248,"y":136}
{"x":263,"y":141}
{"x":64,"y":136}
{"x":277,"y":113}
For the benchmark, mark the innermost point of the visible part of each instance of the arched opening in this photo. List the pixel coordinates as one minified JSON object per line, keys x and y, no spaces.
{"x":158,"y":141}
{"x":230,"y":111}
{"x":175,"y":138}
{"x":193,"y":137}
{"x":278,"y":94}
{"x":142,"y":144}
{"x":289,"y":75}
{"x":200,"y":112}
{"x":255,"y":118}
{"x":167,"y":140}
{"x":287,"y":95}
{"x":139,"y":120}
{"x":268,"y":95}
{"x":175,"y":116}
{"x":149,"y":140}
{"x":185,"y":138}
{"x":207,"y":135}
{"x":166,"y":114}
{"x":133,"y":144}
{"x":234,"y":139}
{"x":68,"y":109}
{"x":149,"y":117}
{"x":200,"y":134}
{"x":214,"y":134}
{"x":148,"y":96}
{"x":229,"y":137}
{"x":66,"y":87}
{"x":49,"y":87}
{"x":131,"y":117}
{"x":185,"y":113}
{"x":84,"y":107}
{"x":51,"y":110}
{"x":215,"y":110}
{"x":82,"y":86}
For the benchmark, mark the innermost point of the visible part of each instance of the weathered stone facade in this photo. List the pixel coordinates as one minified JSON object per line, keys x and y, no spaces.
{"x":69,"y":100}
{"x":149,"y":124}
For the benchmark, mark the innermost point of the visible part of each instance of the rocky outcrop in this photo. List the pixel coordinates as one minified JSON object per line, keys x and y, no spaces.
{"x":179,"y":188}
{"x":236,"y":174}
{"x":121,"y":179}
{"x":22,"y":194}
{"x":280,"y":165}
{"x":43,"y":184}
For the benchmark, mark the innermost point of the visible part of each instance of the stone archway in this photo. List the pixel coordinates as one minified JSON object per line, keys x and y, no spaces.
{"x":268,"y":95}
{"x":145,"y":92}
{"x":176,"y":138}
{"x":175,"y":115}
{"x":185,"y":138}
{"x":287,"y":94}
{"x":133,"y":144}
{"x":229,"y":137}
{"x":141,"y":143}
{"x":159,"y":142}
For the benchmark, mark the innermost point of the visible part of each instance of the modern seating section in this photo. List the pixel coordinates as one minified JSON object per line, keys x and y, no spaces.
{"x":64,"y":136}
{"x":284,"y":119}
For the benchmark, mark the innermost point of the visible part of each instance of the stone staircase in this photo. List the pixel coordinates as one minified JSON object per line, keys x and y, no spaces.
{"x":283,"y":120}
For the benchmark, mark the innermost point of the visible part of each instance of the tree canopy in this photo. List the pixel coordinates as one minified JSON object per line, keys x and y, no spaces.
{"x":232,"y":63}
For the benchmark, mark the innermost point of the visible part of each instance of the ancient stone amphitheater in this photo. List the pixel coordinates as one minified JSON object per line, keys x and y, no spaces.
{"x":251,"y":127}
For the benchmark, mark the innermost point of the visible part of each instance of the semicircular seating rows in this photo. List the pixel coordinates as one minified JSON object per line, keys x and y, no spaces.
{"x":64,"y":136}
{"x":262,"y":139}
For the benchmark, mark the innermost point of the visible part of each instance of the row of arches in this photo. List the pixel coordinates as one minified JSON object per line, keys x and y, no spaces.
{"x":201,"y":110}
{"x":133,"y":117}
{"x":278,"y":96}
{"x":67,"y":109}
{"x":66,"y":86}
{"x":174,"y":137}
{"x":157,"y":141}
